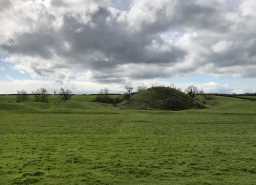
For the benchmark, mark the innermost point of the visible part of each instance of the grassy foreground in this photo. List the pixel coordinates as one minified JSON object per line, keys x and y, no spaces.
{"x":85,"y":143}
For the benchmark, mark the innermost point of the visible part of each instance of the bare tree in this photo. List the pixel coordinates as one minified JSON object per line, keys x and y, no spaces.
{"x":104,"y":91}
{"x":129,"y":91}
{"x":104,"y":96}
{"x":41,"y":95}
{"x":173,"y":86}
{"x":22,"y":96}
{"x":54,"y":92}
{"x":65,"y":94}
{"x":192,"y":91}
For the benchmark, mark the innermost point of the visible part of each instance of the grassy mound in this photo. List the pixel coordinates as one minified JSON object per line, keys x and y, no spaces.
{"x":162,"y":98}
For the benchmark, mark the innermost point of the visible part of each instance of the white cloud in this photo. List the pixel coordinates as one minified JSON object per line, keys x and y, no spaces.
{"x":248,"y":7}
{"x":221,"y":46}
{"x":11,"y":86}
{"x":92,"y":40}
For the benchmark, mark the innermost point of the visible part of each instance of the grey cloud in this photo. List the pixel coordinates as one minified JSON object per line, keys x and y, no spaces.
{"x":109,"y":45}
{"x":201,"y":17}
{"x":5,"y":4}
{"x":59,"y":3}
{"x":104,"y":39}
{"x":186,"y":16}
{"x":240,"y":53}
{"x":33,"y":44}
{"x":67,"y":3}
{"x":99,"y":44}
{"x":122,"y":4}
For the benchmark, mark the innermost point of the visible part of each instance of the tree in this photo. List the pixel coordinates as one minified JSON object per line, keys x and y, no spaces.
{"x":104,"y":91}
{"x":54,"y":92}
{"x":192,"y":91}
{"x":41,"y":95}
{"x":22,"y":96}
{"x":129,"y":91}
{"x":65,"y":94}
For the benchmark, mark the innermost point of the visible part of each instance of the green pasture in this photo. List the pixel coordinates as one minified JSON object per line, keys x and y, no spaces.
{"x":82,"y":142}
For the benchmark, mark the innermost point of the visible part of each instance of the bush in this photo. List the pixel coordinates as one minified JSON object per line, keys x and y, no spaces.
{"x":41,"y":95}
{"x":65,"y":94}
{"x":22,"y":96}
{"x":105,"y":97}
{"x":108,"y":99}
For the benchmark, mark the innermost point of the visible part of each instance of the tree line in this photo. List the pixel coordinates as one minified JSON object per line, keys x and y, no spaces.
{"x":42,"y":95}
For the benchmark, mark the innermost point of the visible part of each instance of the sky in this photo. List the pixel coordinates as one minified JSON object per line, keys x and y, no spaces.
{"x":88,"y":45}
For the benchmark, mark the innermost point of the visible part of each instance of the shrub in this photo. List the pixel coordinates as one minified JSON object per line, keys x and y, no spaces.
{"x":65,"y":94}
{"x":41,"y":95}
{"x":105,"y":97}
{"x":22,"y":96}
{"x":108,"y":99}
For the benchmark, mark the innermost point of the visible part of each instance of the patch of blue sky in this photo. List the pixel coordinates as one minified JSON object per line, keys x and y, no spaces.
{"x":226,"y":81}
{"x":9,"y":72}
{"x":190,"y":79}
{"x":122,"y":4}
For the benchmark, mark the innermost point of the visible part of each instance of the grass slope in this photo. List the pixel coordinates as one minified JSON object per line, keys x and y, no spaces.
{"x":85,"y":143}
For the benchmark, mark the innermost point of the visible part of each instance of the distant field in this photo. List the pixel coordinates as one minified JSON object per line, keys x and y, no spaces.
{"x":86,"y":143}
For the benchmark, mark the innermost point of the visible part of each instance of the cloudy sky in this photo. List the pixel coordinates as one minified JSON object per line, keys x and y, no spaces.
{"x":87,"y":45}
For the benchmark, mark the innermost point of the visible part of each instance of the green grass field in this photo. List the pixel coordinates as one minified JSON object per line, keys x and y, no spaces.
{"x":85,"y":143}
